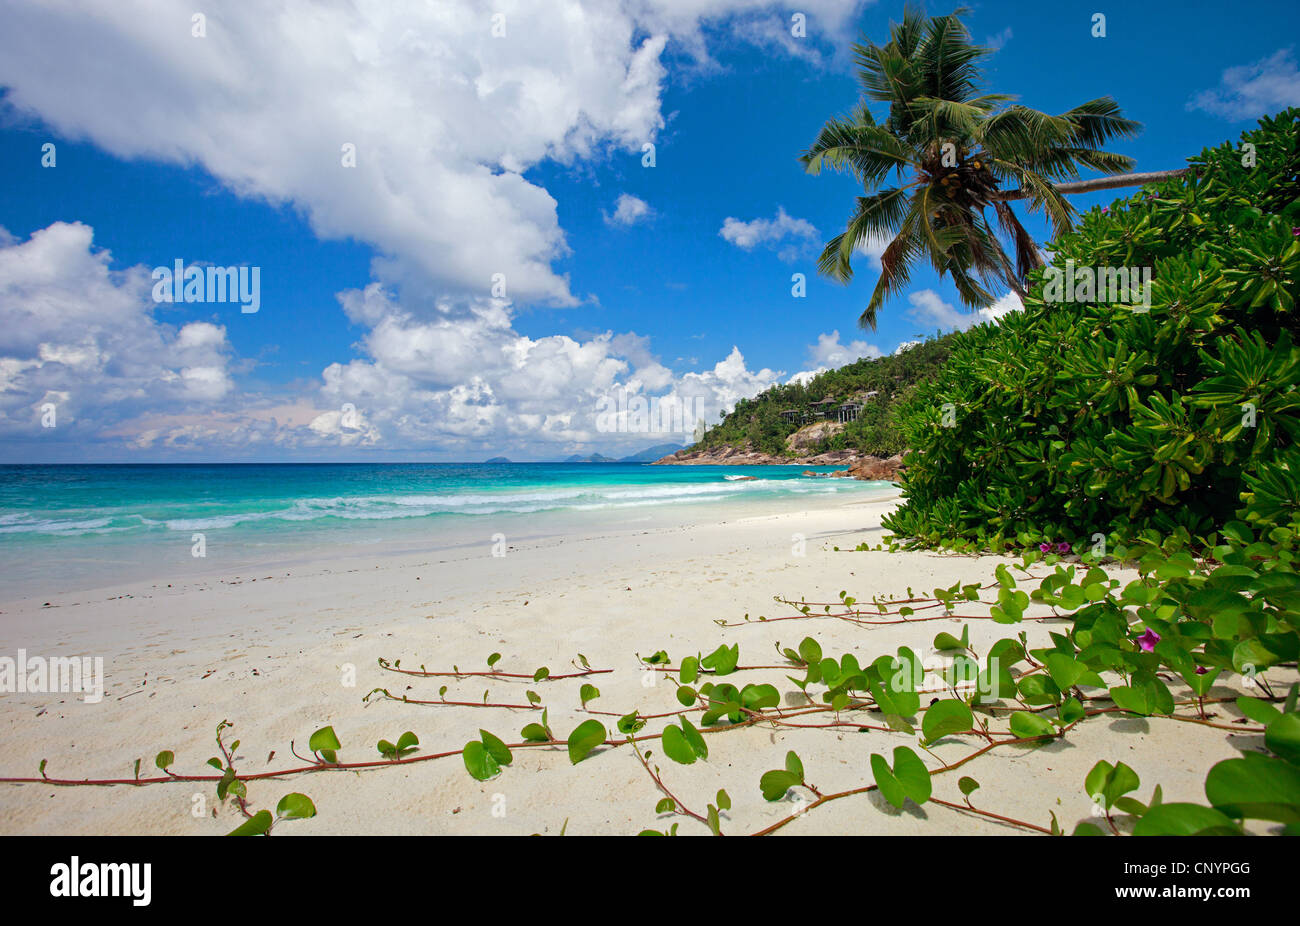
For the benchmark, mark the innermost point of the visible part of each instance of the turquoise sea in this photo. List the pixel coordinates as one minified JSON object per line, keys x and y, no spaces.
{"x":80,"y":525}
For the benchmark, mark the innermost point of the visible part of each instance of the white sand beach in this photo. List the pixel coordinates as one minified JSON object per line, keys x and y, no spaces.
{"x":269,"y":652}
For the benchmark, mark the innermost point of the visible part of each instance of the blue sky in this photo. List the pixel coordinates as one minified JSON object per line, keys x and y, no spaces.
{"x":478,"y":154}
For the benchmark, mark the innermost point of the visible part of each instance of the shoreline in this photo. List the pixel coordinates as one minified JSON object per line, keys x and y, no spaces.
{"x":273,"y":656}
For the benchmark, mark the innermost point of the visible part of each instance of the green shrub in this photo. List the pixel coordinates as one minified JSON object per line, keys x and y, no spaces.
{"x":1078,"y":418}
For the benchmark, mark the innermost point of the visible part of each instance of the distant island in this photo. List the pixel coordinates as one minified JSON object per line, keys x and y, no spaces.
{"x":649,"y":455}
{"x":498,"y":460}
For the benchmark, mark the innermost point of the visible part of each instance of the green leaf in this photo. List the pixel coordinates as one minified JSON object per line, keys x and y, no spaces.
{"x":675,"y":746}
{"x":1145,"y":698}
{"x":891,"y":789}
{"x":724,"y":800}
{"x":588,"y":693}
{"x":480,"y":763}
{"x":1026,"y":725}
{"x":723,"y":660}
{"x":1183,"y":820}
{"x":912,"y":774}
{"x":945,"y":718}
{"x":758,"y":697}
{"x":491,"y":660}
{"x":667,"y":805}
{"x":1258,"y":710}
{"x":534,"y":733}
{"x":1071,"y":711}
{"x":694,"y":739}
{"x":1089,"y":829}
{"x":323,"y":741}
{"x":630,"y":723}
{"x":256,"y":825}
{"x":164,"y":759}
{"x":496,"y":748}
{"x":967,"y":785}
{"x":776,"y":783}
{"x":1282,"y":737}
{"x":588,"y":735}
{"x":1110,"y":782}
{"x":689,"y":671}
{"x":810,"y":651}
{"x":295,"y":806}
{"x":541,"y":673}
{"x":407,"y":741}
{"x":947,"y":641}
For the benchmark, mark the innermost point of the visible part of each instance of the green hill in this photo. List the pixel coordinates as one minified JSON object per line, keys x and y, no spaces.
{"x":764,"y":422}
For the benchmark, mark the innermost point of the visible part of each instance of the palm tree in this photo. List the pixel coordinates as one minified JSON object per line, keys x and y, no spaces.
{"x":960,"y":147}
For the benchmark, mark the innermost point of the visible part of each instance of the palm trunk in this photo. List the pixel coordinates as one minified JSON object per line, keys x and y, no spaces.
{"x":1100,"y":183}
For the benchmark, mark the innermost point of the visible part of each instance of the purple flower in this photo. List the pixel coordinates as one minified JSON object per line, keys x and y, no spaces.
{"x":1045,"y":548}
{"x":1062,"y":547}
{"x":1105,"y":210}
{"x":1201,"y":670}
{"x":1295,"y":232}
{"x":1148,"y":640}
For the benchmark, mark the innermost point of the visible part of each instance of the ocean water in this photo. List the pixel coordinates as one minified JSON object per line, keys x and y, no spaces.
{"x":76,"y":526}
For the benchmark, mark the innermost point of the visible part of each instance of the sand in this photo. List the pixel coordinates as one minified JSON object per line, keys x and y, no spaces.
{"x":274,"y":653}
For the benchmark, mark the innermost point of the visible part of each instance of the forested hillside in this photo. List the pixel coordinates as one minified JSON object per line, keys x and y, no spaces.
{"x":758,"y":422}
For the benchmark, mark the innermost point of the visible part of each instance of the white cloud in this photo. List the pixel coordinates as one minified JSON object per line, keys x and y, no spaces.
{"x":80,"y":336}
{"x":75,"y":333}
{"x":928,"y":308}
{"x":446,"y":121}
{"x":629,"y":210}
{"x":445,"y":117}
{"x":999,"y":40}
{"x":1249,"y":91}
{"x":771,"y":233}
{"x":829,"y":352}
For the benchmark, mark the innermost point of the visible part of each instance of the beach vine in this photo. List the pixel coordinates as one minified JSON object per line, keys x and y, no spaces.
{"x":1189,"y":623}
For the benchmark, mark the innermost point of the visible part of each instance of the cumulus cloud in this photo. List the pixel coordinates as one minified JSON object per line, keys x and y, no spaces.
{"x":84,"y":338}
{"x":829,"y":352}
{"x":789,"y":234}
{"x":443,"y":121}
{"x":476,"y":382}
{"x":1249,"y":91}
{"x":927,"y":307}
{"x":628,"y":210}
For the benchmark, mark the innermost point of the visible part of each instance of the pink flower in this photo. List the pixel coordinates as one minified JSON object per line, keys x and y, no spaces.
{"x":1045,"y":548}
{"x":1062,"y":547}
{"x":1105,"y":210}
{"x":1201,"y":670}
{"x":1148,"y":640}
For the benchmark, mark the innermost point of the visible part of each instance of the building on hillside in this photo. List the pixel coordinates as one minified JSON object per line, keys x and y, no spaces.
{"x":823,"y":408}
{"x":848,"y":412}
